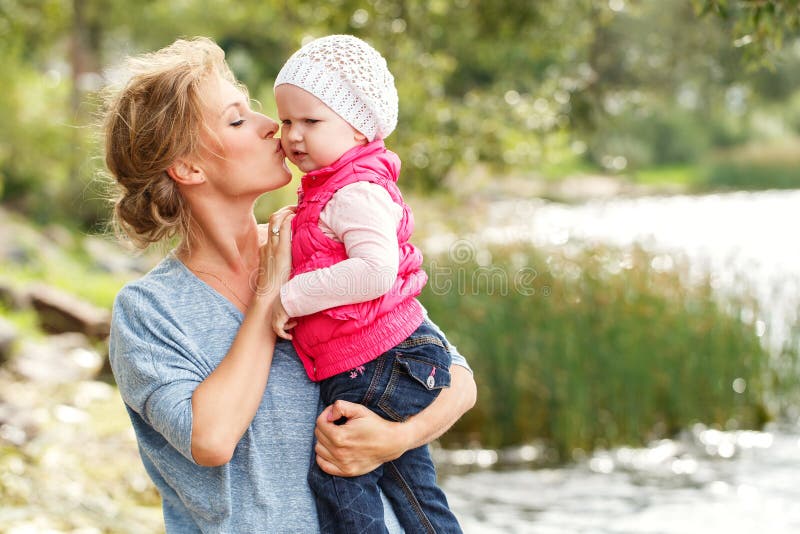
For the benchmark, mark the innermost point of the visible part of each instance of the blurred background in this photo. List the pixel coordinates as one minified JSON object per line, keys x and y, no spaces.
{"x":606,"y":192}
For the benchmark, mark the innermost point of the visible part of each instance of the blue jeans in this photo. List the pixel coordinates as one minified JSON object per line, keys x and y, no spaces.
{"x":399,"y":383}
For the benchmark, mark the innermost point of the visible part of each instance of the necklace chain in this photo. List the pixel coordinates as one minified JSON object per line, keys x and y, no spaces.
{"x":224,"y":283}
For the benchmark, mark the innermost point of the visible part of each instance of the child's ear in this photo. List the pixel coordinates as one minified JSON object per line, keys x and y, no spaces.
{"x":184,"y":172}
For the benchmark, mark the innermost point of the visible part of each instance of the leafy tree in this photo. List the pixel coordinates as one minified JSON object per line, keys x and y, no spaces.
{"x":510,"y":86}
{"x":761,"y":26}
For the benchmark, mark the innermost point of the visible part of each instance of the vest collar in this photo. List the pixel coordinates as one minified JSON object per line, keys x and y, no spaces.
{"x":317,"y":177}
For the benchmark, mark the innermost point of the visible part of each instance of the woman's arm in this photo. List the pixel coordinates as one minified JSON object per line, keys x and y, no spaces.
{"x":224,"y":404}
{"x":366,"y":440}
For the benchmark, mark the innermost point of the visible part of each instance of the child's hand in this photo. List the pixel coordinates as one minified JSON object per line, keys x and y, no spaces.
{"x":281,"y":322}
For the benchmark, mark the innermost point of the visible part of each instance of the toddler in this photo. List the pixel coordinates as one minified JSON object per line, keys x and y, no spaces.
{"x":351,"y":302}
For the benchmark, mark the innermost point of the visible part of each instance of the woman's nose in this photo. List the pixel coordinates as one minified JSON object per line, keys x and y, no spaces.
{"x":270,"y":127}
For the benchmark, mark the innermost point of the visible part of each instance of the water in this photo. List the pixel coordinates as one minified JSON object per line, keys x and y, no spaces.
{"x":743,"y":239}
{"x":705,"y":481}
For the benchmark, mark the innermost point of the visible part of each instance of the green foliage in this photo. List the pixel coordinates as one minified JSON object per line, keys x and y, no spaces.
{"x":761,"y":27}
{"x":26,"y":322}
{"x":755,"y":167}
{"x":673,"y":174}
{"x":736,"y":176}
{"x":597,"y":347}
{"x":514,"y":87}
{"x":648,"y":137}
{"x":45,"y":139}
{"x":791,"y":112}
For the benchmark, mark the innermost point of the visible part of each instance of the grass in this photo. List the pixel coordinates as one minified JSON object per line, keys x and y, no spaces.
{"x":26,"y":322}
{"x":683,"y":175}
{"x":756,"y":166}
{"x":70,"y":275}
{"x":751,"y":176}
{"x":752,"y":167}
{"x":595,"y":347}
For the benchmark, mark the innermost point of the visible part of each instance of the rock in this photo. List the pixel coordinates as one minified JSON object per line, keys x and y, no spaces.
{"x":63,"y":358}
{"x":19,"y":419}
{"x":110,"y":257}
{"x":59,"y":235}
{"x":61,"y":312}
{"x":8,"y":335}
{"x":17,"y":255}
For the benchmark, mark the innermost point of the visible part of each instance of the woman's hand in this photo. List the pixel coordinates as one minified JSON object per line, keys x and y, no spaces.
{"x":366,"y":440}
{"x":360,"y":445}
{"x":276,"y":253}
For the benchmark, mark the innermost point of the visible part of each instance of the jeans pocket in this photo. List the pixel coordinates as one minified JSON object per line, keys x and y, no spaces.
{"x":430,"y":374}
{"x":419,"y":371}
{"x":413,"y":385}
{"x":425,"y":356}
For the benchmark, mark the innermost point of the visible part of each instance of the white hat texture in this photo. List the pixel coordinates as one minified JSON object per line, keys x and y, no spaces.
{"x":351,"y":78}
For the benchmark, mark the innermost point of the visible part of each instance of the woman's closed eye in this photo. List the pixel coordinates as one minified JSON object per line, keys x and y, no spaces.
{"x":237,"y":123}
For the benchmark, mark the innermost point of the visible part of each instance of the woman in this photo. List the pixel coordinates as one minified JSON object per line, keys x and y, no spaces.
{"x":224,"y":415}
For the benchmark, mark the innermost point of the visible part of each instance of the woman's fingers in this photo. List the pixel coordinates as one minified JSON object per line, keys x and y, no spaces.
{"x":285,"y":230}
{"x":276,"y":222}
{"x":281,"y":248}
{"x":358,"y":446}
{"x":334,"y":460}
{"x":277,"y":219}
{"x":276,"y":253}
{"x":329,"y":467}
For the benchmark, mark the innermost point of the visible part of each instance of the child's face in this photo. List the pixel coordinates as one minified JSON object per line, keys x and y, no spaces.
{"x":312,"y":134}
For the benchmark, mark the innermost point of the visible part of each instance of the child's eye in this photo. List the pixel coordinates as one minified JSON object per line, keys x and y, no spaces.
{"x":286,"y":122}
{"x":238,"y":123}
{"x":311,"y":121}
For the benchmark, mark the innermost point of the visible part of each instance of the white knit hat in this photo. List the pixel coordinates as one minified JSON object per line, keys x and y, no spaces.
{"x":351,"y":78}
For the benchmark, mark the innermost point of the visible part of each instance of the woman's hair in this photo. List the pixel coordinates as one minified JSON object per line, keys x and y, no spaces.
{"x":155,"y":118}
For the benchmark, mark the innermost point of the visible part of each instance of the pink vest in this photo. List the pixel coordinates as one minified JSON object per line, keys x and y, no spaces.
{"x":338,"y":339}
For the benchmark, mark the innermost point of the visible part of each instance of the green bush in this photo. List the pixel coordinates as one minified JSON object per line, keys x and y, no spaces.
{"x":595,"y":347}
{"x":753,"y":176}
{"x":755,"y":166}
{"x":648,"y":137}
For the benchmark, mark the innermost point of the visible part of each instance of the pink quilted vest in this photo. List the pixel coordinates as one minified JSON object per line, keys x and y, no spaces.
{"x":338,"y":339}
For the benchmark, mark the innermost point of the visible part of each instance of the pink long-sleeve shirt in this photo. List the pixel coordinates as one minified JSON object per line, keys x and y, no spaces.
{"x":364,"y":218}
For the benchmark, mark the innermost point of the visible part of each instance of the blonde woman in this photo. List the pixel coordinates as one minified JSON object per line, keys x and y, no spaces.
{"x":225,"y":415}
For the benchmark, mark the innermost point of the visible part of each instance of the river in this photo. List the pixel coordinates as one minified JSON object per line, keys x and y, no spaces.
{"x":704,"y":481}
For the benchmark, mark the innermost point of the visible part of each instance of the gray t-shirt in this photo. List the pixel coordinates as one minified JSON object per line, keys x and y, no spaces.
{"x":169,"y":331}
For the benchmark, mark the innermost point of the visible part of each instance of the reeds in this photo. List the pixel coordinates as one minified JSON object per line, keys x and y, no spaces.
{"x":596,"y":347}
